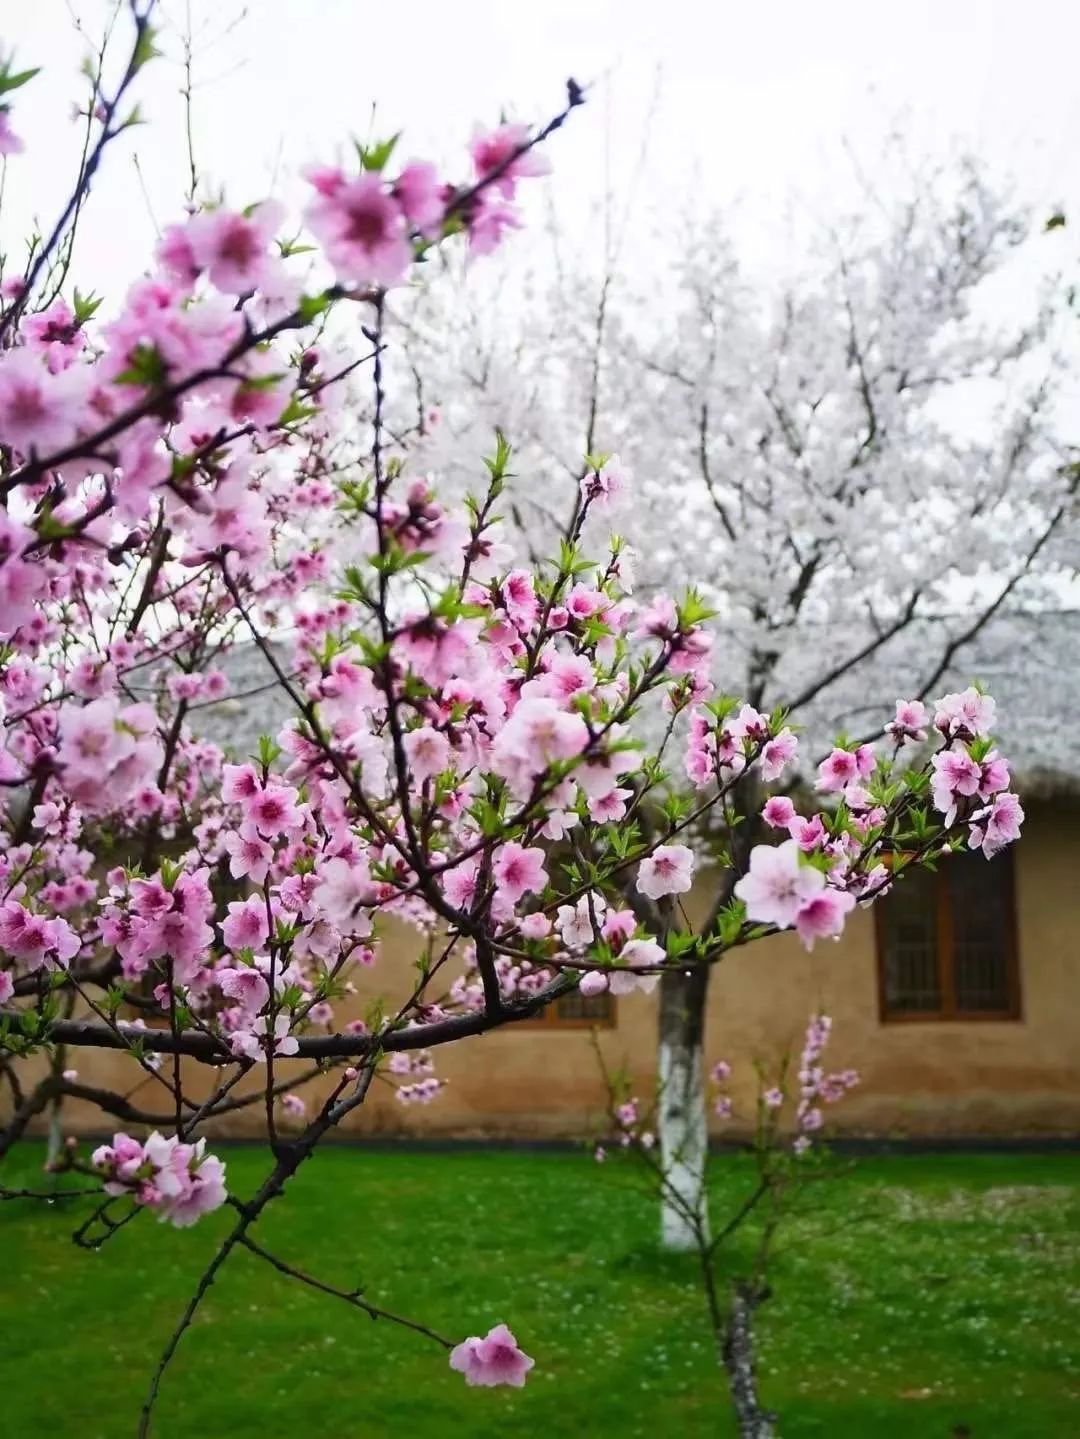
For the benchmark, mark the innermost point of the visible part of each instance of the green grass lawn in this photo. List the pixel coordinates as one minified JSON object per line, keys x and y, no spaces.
{"x":919,"y":1295}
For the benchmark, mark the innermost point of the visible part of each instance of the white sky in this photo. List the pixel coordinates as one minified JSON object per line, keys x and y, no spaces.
{"x":756,"y":101}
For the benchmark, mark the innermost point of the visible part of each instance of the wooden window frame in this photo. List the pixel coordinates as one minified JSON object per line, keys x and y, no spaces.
{"x":550,"y":1018}
{"x":948,"y":1013}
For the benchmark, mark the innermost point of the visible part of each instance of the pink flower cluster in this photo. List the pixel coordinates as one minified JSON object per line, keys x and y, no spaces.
{"x":816,"y":1087}
{"x":35,"y":940}
{"x":108,"y":752}
{"x":164,"y":917}
{"x":179,"y":1182}
{"x":369,"y":225}
{"x":419,"y":1068}
{"x":783,"y":888}
{"x":813,"y":880}
{"x":724,"y":743}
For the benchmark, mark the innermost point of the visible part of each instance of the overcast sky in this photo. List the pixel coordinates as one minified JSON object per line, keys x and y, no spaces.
{"x":750,"y":103}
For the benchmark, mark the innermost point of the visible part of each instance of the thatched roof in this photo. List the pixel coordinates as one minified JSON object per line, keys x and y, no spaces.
{"x":1029,"y":662}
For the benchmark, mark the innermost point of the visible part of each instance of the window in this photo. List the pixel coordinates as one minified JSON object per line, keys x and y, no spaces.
{"x":578,"y":1011}
{"x":946,"y":942}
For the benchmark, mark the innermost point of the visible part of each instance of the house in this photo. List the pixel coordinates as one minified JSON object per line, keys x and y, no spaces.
{"x":957,"y":998}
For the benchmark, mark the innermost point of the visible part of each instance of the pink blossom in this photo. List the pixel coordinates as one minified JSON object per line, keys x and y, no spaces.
{"x":39,"y":411}
{"x":600,"y":488}
{"x":10,"y":144}
{"x":495,"y":153}
{"x":839,"y":770}
{"x":362,"y":230}
{"x":428,"y":753}
{"x":593,"y":982}
{"x":910,"y":721}
{"x":495,"y":1359}
{"x":823,"y":915}
{"x":179,"y":1181}
{"x":246,"y":985}
{"x":997,"y":825}
{"x":7,"y":986}
{"x":419,"y":192}
{"x":518,"y":871}
{"x":272,"y":811}
{"x":575,"y":922}
{"x":968,"y":715}
{"x":778,"y":812}
{"x":459,"y":884}
{"x":245,"y":926}
{"x":345,"y":891}
{"x":668,"y":870}
{"x":250,"y":855}
{"x":252,"y":1043}
{"x":536,"y":735}
{"x":777,"y":755}
{"x":233,"y":248}
{"x":955,"y":775}
{"x":778,"y":884}
{"x":36,"y":939}
{"x":636,"y":954}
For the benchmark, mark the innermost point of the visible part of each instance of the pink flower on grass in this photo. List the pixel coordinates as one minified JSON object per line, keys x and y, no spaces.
{"x":668,"y":870}
{"x":495,"y":1359}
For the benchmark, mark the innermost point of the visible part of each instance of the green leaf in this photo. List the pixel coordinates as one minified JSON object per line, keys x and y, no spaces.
{"x":374,"y":157}
{"x":312,"y":306}
{"x":9,"y":81}
{"x":145,"y":49}
{"x":145,"y":367}
{"x":1056,"y":221}
{"x":85,"y":306}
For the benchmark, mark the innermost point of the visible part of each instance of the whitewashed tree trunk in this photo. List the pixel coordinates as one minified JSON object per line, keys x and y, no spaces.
{"x":55,"y":1142}
{"x":683,"y":1131}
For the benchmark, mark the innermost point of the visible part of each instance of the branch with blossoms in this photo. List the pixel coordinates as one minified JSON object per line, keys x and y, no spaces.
{"x":787,"y":1154}
{"x":468,"y":744}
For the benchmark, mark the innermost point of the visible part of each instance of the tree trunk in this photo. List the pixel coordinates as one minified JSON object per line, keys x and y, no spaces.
{"x":738,"y":1357}
{"x":683,"y":1130}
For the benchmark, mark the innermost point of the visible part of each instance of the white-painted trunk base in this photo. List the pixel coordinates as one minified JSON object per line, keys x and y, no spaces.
{"x":684,"y":1143}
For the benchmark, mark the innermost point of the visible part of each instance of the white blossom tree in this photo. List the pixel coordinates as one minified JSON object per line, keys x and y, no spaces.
{"x":858,"y":466}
